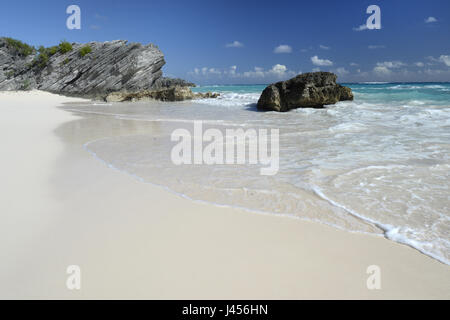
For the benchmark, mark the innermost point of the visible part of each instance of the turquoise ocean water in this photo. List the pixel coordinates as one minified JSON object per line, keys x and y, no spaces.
{"x":436,"y":93}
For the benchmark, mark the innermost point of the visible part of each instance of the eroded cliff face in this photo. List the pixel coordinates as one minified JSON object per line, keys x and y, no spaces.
{"x":105,"y":67}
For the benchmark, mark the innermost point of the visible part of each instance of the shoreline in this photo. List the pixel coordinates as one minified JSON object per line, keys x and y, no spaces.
{"x":382,"y":229}
{"x":134,"y":240}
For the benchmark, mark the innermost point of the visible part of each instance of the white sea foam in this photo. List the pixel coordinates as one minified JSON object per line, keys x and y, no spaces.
{"x":348,"y":126}
{"x":404,"y":87}
{"x":373,"y":82}
{"x":435,"y":87}
{"x":231,"y":99}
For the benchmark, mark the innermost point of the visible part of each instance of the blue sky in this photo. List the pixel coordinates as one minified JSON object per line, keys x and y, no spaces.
{"x":216,"y":42}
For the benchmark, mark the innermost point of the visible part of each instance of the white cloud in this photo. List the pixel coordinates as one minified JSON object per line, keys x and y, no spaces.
{"x":432,"y":61}
{"x":321,"y":62}
{"x":341,"y":71}
{"x":382,"y":70}
{"x":214,"y":71}
{"x":360,"y":28}
{"x":430,"y":20}
{"x":379,"y":46}
{"x":205,"y":71}
{"x":416,"y":71}
{"x":445,"y":59}
{"x":234,"y":44}
{"x":324,"y":47}
{"x":278,"y":69}
{"x":442,"y":59}
{"x":277,"y":72}
{"x":391,"y":64}
{"x":315,"y":69}
{"x":256,"y":73}
{"x":433,"y":72}
{"x":353,"y":64}
{"x":284,"y":48}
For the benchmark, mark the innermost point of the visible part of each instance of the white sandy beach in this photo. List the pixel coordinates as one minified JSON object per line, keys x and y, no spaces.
{"x":60,"y":206}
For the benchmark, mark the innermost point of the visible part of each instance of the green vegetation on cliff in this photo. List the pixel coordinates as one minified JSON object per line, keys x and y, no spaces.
{"x":22,"y":48}
{"x":65,"y":47}
{"x":85,"y":50}
{"x":45,"y":53}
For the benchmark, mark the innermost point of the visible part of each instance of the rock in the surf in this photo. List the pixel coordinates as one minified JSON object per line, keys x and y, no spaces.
{"x":308,"y":90}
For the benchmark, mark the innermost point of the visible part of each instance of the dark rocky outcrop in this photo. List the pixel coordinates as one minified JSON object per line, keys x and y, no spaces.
{"x":309,"y":90}
{"x":177,"y":93}
{"x":164,"y":82}
{"x":96,"y":71}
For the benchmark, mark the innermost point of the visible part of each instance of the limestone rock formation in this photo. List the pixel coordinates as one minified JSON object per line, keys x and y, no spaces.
{"x":90,"y":70}
{"x":309,"y":90}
